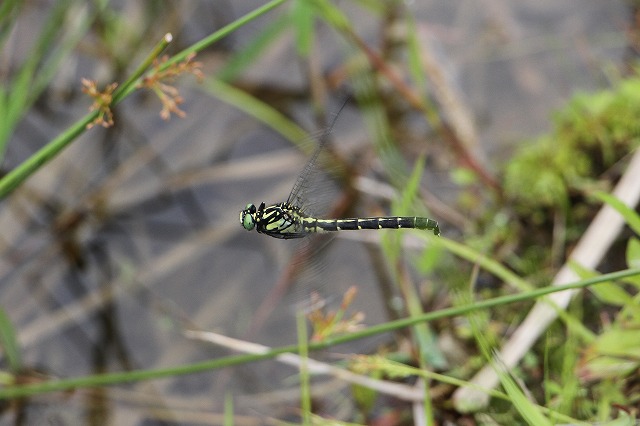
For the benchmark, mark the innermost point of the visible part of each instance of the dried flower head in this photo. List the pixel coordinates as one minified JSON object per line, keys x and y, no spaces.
{"x":330,"y":323}
{"x":101,"y":102}
{"x":159,"y":77}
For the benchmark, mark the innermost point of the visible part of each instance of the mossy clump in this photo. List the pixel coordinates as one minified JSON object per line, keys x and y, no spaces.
{"x":590,"y":135}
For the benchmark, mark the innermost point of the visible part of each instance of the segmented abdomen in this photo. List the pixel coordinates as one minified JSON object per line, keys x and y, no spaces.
{"x":354,"y":224}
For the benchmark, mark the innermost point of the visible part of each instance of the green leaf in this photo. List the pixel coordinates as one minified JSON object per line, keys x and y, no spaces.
{"x":228,"y":409}
{"x":624,"y":419}
{"x":249,"y":54}
{"x":257,"y":109}
{"x":9,"y":342}
{"x":332,"y":15}
{"x":528,"y":410}
{"x":364,"y":397}
{"x":411,"y":190}
{"x":630,"y":216}
{"x":463,"y":176}
{"x":633,"y":258}
{"x":615,"y":353}
{"x":415,"y":61}
{"x":612,"y":294}
{"x":608,"y":292}
{"x":633,"y":253}
{"x":302,"y":16}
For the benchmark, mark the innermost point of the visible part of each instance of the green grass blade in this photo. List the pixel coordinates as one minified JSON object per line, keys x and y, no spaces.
{"x":305,"y":384}
{"x":69,"y":42}
{"x":408,"y":195}
{"x":257,"y":109}
{"x":15,"y":177}
{"x":9,"y":10}
{"x":302,"y":18}
{"x":527,"y":409}
{"x":250,"y":53}
{"x":418,"y":73}
{"x":9,"y":342}
{"x":138,"y":375}
{"x":481,"y":260}
{"x":630,"y":216}
{"x":228,"y":409}
{"x":223,"y":32}
{"x":379,"y":129}
{"x":19,"y":93}
{"x":18,"y":175}
{"x":382,"y":366}
{"x":633,"y":253}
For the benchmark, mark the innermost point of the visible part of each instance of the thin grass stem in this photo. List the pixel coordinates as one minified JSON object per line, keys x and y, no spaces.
{"x":138,"y":375}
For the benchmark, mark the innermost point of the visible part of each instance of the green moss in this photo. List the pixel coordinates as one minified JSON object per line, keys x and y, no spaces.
{"x":590,"y":134}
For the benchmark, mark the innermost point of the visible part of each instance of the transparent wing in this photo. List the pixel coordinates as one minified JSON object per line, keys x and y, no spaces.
{"x":311,"y":189}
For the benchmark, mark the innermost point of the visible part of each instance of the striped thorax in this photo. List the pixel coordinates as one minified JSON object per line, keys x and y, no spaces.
{"x":278,"y":220}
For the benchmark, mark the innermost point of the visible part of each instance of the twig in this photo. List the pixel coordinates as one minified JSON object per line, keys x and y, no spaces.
{"x":406,"y":393}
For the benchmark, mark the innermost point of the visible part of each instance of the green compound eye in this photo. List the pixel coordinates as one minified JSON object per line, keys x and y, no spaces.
{"x":247,"y":218}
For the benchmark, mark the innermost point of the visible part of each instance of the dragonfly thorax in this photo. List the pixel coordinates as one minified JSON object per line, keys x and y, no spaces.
{"x":278,"y":220}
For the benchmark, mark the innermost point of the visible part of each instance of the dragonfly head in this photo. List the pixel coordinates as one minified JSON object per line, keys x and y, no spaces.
{"x":248,"y":217}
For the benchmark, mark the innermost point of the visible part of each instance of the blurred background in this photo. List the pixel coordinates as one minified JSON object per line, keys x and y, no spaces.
{"x":131,"y":236}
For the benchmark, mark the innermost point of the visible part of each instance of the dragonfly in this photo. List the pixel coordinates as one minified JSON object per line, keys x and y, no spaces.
{"x":290,"y":219}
